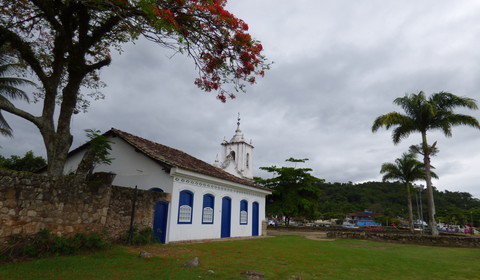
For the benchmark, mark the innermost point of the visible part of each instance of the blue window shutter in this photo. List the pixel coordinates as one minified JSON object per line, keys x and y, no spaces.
{"x":208,"y":209}
{"x":185,"y":207}
{"x":243,"y":212}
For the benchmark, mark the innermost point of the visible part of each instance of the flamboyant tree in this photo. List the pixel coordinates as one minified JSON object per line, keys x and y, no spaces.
{"x":422,"y":115}
{"x":65,"y":43}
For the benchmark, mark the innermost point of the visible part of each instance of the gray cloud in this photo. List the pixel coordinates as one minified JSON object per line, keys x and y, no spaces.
{"x":338,"y":65}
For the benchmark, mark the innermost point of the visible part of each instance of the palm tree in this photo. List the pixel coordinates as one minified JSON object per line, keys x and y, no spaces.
{"x":9,"y":89}
{"x":422,"y":115}
{"x":406,"y":169}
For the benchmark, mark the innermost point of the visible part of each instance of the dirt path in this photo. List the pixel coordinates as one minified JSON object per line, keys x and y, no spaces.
{"x":313,"y":235}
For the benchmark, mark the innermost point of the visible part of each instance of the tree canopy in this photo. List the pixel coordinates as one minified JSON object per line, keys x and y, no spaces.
{"x":29,"y":162}
{"x":295,"y":191}
{"x":65,"y":43}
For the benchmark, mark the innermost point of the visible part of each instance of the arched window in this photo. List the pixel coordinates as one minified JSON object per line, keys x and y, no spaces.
{"x":156,"y":190}
{"x":208,"y":206}
{"x":232,"y":155}
{"x":243,"y":212}
{"x":185,"y":207}
{"x":248,"y":160}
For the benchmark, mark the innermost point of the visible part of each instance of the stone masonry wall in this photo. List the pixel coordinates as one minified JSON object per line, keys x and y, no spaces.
{"x":426,"y":240}
{"x":31,"y":202}
{"x":120,"y":209}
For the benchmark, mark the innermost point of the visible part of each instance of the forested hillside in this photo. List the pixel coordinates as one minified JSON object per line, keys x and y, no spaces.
{"x":338,"y":199}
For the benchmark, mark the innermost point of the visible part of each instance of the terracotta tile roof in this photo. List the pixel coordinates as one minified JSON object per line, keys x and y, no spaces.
{"x":176,"y":158}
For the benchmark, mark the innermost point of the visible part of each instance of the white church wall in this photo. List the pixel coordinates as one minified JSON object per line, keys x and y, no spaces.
{"x":132,"y":168}
{"x":197,"y":230}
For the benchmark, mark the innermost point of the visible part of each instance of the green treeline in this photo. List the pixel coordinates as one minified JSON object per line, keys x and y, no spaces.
{"x":390,"y":199}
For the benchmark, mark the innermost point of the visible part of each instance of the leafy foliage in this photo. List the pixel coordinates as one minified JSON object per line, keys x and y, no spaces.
{"x":295,"y":191}
{"x":29,"y":162}
{"x":44,"y":243}
{"x":9,"y":88}
{"x":140,"y":237}
{"x":97,"y":152}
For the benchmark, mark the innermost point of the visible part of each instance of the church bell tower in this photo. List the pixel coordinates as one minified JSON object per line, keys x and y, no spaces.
{"x":237,"y":154}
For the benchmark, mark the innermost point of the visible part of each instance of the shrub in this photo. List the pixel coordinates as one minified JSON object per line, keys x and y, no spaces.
{"x":44,"y":243}
{"x":40,"y":243}
{"x":94,"y":242}
{"x":64,"y":246}
{"x":142,"y":237}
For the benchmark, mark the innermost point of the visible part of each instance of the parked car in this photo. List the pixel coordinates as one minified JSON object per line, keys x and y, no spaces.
{"x":349,"y":226}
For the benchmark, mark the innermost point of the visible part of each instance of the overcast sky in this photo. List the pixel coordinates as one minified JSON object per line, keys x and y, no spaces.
{"x":338,"y":65}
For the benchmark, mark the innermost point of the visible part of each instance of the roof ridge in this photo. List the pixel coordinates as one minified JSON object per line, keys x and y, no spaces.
{"x":178,"y":158}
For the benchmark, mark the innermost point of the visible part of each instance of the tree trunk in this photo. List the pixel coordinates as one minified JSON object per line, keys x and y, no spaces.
{"x":410,"y":208}
{"x":428,"y":178}
{"x":86,"y":165}
{"x":57,"y":146}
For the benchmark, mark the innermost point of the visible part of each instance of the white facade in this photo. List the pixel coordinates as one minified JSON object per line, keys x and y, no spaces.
{"x":201,"y":185}
{"x":132,"y":168}
{"x":135,"y":168}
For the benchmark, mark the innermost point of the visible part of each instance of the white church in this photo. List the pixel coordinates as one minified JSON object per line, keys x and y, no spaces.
{"x":207,"y":201}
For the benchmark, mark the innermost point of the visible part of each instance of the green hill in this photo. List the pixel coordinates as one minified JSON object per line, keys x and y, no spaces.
{"x":339,"y":199}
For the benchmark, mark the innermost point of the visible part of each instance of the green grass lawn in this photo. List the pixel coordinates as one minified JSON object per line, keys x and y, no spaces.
{"x":277,"y":258}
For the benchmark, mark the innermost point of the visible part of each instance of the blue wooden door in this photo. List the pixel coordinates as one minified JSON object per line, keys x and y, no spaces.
{"x":160,"y":221}
{"x":226,"y":217}
{"x":255,"y":221}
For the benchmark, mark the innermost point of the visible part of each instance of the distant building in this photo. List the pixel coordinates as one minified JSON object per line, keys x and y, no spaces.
{"x":364,"y":218}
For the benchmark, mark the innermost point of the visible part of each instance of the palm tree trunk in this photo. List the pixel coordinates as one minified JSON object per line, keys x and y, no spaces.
{"x":410,"y":207}
{"x":428,"y":179}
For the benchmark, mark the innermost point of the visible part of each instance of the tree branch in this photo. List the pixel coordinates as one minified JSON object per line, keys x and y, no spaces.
{"x":98,"y":65}
{"x":48,"y":14}
{"x":25,"y":51}
{"x":9,"y":107}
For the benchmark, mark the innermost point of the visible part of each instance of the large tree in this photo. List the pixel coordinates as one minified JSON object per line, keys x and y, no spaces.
{"x":65,"y":43}
{"x":422,"y":115}
{"x":406,"y":169}
{"x":10,"y":88}
{"x":295,"y":192}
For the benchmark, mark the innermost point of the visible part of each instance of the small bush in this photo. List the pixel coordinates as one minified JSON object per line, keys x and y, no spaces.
{"x":145,"y":236}
{"x":94,"y":242}
{"x":64,"y":246}
{"x":44,"y":243}
{"x":142,"y":237}
{"x":40,"y":244}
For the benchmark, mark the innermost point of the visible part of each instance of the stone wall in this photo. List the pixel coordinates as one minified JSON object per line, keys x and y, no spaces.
{"x":120,"y":209}
{"x":427,"y":240}
{"x":393,"y":235}
{"x":31,"y":202}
